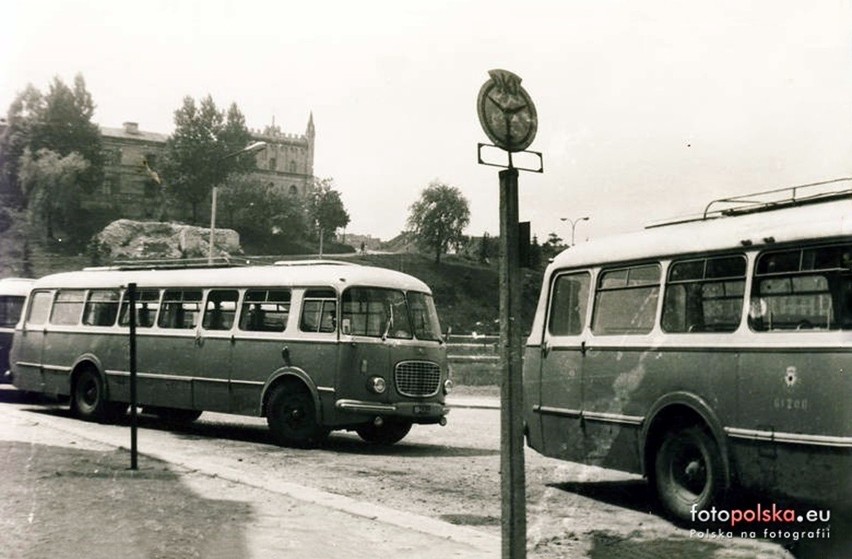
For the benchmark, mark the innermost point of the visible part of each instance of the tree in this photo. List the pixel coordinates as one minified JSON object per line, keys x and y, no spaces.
{"x":197,"y":155}
{"x":64,"y":125}
{"x":264,"y":215}
{"x":61,"y":122}
{"x":486,"y":248}
{"x":51,"y":184}
{"x":438,"y":218}
{"x":21,"y":118}
{"x":326,"y":210}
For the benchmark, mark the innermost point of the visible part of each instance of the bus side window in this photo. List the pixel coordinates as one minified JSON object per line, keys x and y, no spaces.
{"x":68,"y":307}
{"x":39,"y":307}
{"x":626,"y":300}
{"x":180,"y":309}
{"x":101,"y":307}
{"x":265,"y":310}
{"x":147,"y":305}
{"x":220,"y":310}
{"x":568,"y":304}
{"x":704,"y":295}
{"x":319,"y":311}
{"x":801,"y":289}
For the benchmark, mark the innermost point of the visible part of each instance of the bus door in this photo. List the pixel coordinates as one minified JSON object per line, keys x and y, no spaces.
{"x":215,"y":342}
{"x":562,"y":363}
{"x":28,"y":353}
{"x":314,"y":347}
{"x":617,"y":370}
{"x":167,"y":358}
{"x":260,"y":344}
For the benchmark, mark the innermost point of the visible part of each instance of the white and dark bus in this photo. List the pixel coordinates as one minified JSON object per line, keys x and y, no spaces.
{"x":705,"y":353}
{"x":13,"y":291}
{"x":312,"y":346}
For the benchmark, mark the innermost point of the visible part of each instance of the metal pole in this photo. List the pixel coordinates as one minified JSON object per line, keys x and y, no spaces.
{"x":512,"y":478}
{"x":131,"y":301}
{"x":212,"y":227}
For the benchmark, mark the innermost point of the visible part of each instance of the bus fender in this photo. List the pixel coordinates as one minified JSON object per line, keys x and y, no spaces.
{"x":283,"y":374}
{"x":88,"y":359}
{"x":695,"y":404}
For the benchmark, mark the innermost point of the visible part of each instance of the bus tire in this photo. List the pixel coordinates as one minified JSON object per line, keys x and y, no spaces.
{"x":88,"y":399}
{"x":292,"y":419}
{"x":390,"y":432}
{"x":688,"y":472}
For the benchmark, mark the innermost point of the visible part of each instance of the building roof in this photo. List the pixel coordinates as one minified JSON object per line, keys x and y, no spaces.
{"x":139,"y":135}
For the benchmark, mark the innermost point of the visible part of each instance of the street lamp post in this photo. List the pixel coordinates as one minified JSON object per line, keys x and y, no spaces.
{"x":574,"y":223}
{"x":251,"y":148}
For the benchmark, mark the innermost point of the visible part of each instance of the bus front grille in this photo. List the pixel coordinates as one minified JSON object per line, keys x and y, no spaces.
{"x":417,"y":378}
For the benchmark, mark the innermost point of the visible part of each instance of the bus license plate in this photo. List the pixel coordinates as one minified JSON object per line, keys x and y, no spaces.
{"x":422,"y":409}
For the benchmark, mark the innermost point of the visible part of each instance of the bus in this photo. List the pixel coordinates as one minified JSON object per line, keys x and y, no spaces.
{"x":13,"y":291}
{"x":311,"y":346}
{"x":706,"y":353}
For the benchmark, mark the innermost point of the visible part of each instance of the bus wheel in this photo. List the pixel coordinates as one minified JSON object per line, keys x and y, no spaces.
{"x":388,"y":433}
{"x":688,"y":472}
{"x":87,"y":400}
{"x":292,"y":418}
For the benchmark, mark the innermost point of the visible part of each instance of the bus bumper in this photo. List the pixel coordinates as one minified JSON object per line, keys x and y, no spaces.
{"x":417,"y":412}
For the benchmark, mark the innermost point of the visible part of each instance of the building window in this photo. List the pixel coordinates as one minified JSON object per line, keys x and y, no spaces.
{"x":272,"y":163}
{"x":292,"y":166}
{"x":293,"y":190}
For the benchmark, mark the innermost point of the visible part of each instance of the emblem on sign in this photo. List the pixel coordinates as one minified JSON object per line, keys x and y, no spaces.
{"x":506,"y":112}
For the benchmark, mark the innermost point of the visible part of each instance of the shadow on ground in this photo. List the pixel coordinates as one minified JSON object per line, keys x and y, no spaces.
{"x":59,"y":500}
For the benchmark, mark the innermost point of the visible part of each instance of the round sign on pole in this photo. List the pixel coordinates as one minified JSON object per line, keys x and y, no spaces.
{"x":506,"y":112}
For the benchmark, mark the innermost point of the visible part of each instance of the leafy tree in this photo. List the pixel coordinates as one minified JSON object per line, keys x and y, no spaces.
{"x":51,"y":184}
{"x":21,"y":118}
{"x":262,"y":214}
{"x":438,"y":218}
{"x":199,"y":155}
{"x":64,"y":125}
{"x":326,"y":210}
{"x":486,"y":248}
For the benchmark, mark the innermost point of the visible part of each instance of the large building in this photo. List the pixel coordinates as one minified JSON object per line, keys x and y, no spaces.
{"x":128,"y":190}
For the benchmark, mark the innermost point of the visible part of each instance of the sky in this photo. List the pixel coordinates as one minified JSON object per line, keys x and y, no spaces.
{"x":646,"y":110}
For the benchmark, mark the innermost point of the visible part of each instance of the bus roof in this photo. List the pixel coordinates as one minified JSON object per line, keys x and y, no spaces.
{"x":818,"y":221}
{"x":314,"y":274}
{"x":15,"y":286}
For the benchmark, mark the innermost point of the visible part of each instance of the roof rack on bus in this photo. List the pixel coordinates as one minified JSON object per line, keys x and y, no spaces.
{"x":313,"y":263}
{"x":171,"y":264}
{"x":768,"y":200}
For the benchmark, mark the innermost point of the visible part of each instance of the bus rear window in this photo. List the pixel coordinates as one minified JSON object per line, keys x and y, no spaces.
{"x":10,"y":309}
{"x":568,"y":304}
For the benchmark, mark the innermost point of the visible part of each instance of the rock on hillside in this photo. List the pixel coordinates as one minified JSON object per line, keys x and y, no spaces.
{"x":127,"y":239}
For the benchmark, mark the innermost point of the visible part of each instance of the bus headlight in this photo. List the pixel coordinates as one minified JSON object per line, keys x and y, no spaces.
{"x":377,"y":385}
{"x":448,"y":386}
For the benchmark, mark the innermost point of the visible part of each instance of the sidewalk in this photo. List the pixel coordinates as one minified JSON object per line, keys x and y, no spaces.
{"x":66,"y":488}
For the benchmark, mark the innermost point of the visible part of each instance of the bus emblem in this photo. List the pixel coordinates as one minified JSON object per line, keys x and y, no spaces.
{"x":791,"y":377}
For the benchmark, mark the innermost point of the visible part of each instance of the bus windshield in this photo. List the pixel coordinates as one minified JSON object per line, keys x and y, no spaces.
{"x":389,"y":313}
